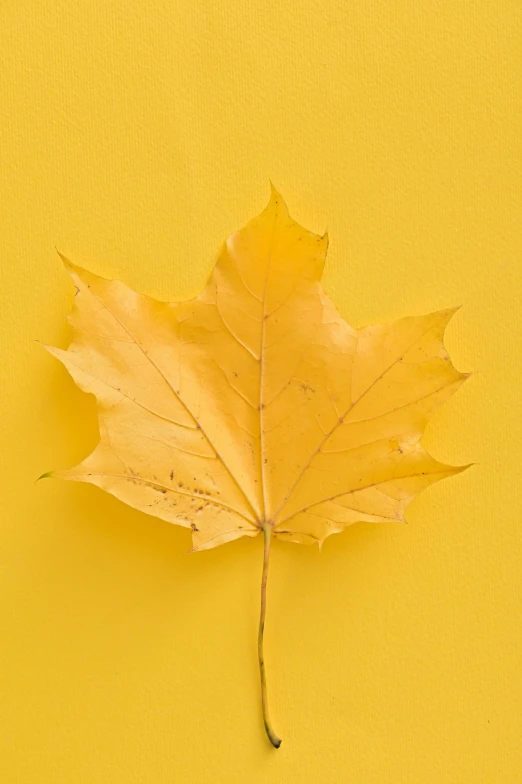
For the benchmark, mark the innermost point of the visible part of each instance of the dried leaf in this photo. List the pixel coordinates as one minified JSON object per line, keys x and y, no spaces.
{"x":255,"y":407}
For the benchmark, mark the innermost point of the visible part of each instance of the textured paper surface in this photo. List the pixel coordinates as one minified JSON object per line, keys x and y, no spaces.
{"x":135,"y":139}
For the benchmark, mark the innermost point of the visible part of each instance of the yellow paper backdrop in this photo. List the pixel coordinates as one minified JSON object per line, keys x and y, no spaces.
{"x":135,"y":138}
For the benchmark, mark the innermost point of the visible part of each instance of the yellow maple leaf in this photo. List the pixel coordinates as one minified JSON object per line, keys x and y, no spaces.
{"x":255,"y":407}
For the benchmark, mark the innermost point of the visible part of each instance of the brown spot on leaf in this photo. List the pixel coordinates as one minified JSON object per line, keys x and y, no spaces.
{"x":306,"y":388}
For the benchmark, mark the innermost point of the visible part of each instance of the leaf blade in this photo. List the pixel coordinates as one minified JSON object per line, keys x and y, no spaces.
{"x":255,"y":396}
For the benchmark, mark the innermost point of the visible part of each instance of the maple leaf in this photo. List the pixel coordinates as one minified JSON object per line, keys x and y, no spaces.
{"x":255,"y":407}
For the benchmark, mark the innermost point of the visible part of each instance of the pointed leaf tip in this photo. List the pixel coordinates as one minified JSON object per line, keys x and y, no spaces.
{"x":46,"y":475}
{"x":448,"y":313}
{"x":72,"y":269}
{"x":64,"y":259}
{"x":275,"y":197}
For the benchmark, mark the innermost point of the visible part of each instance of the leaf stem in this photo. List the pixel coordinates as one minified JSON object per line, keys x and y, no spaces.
{"x":272,"y":737}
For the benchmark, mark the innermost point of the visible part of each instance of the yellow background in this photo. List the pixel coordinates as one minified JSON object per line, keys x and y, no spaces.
{"x":135,"y":138}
